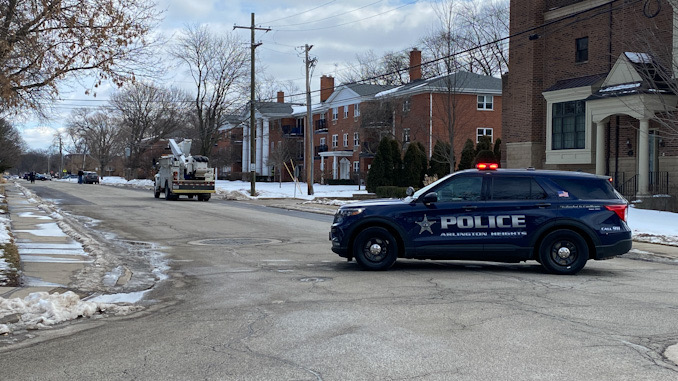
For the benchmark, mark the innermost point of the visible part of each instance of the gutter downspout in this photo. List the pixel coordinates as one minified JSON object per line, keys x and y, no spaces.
{"x":430,"y":125}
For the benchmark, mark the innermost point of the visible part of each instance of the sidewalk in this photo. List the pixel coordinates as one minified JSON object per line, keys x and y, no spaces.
{"x":49,"y":258}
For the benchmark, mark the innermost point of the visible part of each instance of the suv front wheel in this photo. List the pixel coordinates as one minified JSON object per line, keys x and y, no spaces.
{"x":563,"y":252}
{"x":375,"y":248}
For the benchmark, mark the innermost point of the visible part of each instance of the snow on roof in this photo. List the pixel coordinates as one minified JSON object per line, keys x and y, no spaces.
{"x":639,"y":58}
{"x":624,"y":86}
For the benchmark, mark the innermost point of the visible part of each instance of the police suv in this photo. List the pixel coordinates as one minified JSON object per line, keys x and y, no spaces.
{"x":560,"y":219}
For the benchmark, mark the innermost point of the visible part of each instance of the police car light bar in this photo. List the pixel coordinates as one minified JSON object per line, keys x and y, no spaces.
{"x":486,"y":166}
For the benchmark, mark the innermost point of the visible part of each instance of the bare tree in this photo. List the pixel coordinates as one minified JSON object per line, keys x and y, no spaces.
{"x":389,"y":69}
{"x":11,"y":145}
{"x":282,"y":154}
{"x":43,"y":42}
{"x":216,"y":63}
{"x":100,"y":133}
{"x":146,"y":114}
{"x":467,"y":37}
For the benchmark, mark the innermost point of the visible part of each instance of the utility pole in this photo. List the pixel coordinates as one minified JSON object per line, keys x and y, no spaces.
{"x":308,"y":157}
{"x":253,"y":140}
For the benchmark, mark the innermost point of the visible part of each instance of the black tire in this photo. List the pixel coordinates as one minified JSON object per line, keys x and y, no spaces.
{"x":563,"y":252}
{"x":156,"y":191}
{"x":204,"y":197}
{"x":375,"y":248}
{"x":168,"y":193}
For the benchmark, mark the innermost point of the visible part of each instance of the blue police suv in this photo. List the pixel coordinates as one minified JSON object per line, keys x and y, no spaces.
{"x":560,"y":219}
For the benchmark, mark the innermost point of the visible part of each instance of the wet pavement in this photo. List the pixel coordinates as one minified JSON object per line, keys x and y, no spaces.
{"x":49,"y":257}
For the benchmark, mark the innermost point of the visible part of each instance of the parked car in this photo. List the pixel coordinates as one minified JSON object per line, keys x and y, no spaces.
{"x":560,"y":219}
{"x":91,"y":178}
{"x":42,"y":177}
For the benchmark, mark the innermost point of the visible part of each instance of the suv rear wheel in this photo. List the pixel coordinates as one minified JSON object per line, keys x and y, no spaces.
{"x":563,"y":252}
{"x":375,"y":248}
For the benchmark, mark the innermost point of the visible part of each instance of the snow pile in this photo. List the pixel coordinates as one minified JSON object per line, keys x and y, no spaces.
{"x":240,"y":190}
{"x":41,"y":309}
{"x":654,"y":226}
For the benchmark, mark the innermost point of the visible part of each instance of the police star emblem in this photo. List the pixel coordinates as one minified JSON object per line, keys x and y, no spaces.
{"x":425,"y":225}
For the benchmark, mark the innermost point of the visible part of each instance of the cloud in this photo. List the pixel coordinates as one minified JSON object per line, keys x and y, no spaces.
{"x":39,"y":137}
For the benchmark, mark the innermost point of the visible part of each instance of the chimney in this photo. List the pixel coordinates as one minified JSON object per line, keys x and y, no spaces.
{"x":281,"y":97}
{"x":415,"y":65}
{"x":326,"y":87}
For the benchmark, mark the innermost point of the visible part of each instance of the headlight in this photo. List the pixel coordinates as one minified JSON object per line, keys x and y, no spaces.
{"x":348,"y":212}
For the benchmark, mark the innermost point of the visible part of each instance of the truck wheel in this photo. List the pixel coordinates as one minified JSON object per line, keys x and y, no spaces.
{"x":203,"y":197}
{"x":168,"y":192}
{"x":156,"y":191}
{"x":563,"y":252}
{"x":375,"y":248}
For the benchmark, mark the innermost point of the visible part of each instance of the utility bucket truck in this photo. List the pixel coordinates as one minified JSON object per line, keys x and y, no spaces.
{"x":183,"y":174}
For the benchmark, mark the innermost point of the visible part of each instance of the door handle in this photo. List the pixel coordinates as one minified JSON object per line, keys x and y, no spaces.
{"x":470,"y":207}
{"x":544,"y":204}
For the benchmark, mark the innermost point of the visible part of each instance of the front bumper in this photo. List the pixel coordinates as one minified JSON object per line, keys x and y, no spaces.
{"x":338,"y":245}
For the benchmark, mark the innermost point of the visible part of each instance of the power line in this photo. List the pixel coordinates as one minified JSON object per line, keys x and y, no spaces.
{"x":350,"y":22}
{"x":300,"y":13}
{"x":330,"y":17}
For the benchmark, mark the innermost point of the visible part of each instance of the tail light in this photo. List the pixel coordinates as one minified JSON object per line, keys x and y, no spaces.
{"x":176,"y":174}
{"x":621,"y":210}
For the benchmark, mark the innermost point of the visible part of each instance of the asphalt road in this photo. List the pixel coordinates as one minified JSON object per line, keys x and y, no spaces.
{"x":255,"y":293}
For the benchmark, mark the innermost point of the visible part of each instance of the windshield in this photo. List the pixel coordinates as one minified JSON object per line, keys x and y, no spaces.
{"x":426,"y":189}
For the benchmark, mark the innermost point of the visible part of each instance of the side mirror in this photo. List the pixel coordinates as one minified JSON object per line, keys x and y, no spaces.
{"x":410,"y":191}
{"x":430,"y":198}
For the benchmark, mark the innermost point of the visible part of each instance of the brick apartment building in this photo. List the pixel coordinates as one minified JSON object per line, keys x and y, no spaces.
{"x":351,"y":119}
{"x":591,"y":87}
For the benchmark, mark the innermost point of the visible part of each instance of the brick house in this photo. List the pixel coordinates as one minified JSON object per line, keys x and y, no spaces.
{"x":591,"y":87}
{"x":351,"y":119}
{"x":428,"y":110}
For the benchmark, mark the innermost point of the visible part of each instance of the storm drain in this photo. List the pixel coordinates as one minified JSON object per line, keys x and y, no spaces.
{"x":234,"y":241}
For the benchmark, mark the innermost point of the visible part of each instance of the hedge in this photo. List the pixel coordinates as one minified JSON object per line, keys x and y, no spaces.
{"x":391,"y":192}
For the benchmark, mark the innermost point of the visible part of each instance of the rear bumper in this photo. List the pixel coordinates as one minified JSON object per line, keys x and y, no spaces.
{"x":619,"y":248}
{"x":189,"y":188}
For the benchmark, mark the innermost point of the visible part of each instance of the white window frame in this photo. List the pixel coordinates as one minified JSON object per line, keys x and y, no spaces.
{"x":483,"y":103}
{"x":345,"y":111}
{"x":569,"y":156}
{"x":335,"y":113}
{"x":346,"y":140}
{"x":356,"y":166}
{"x":356,"y":110}
{"x":406,"y":135}
{"x":483,"y":131}
{"x":356,"y":139}
{"x":335,"y":140}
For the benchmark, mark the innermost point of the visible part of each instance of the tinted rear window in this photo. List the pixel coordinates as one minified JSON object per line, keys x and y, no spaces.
{"x":585,"y":189}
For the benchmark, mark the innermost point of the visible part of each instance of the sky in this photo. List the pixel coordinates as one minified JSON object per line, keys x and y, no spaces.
{"x":40,"y":309}
{"x":337,"y":29}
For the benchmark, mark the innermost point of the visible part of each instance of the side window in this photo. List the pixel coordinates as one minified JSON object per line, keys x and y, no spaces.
{"x":466,"y":188}
{"x":516,"y":188}
{"x":585,"y":189}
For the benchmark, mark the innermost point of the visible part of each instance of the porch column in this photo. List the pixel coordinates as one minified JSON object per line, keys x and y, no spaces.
{"x":334,"y":168}
{"x":600,"y":148}
{"x":644,"y":157}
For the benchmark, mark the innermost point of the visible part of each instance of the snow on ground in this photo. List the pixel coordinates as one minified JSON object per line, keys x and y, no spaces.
{"x":241,"y":189}
{"x":654,"y":226}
